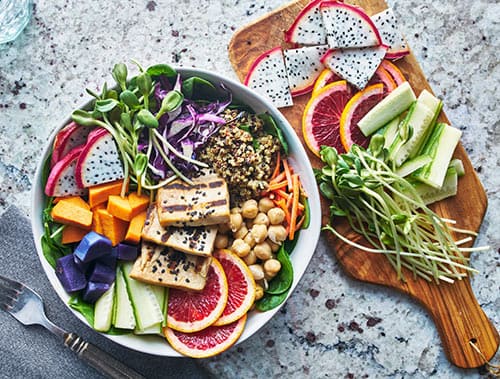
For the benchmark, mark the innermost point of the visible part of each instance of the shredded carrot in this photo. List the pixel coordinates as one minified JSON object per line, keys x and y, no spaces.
{"x":277,"y":168}
{"x":280,"y":177}
{"x":300,"y":206}
{"x":295,"y":205}
{"x":288,"y":174}
{"x":299,"y":224}
{"x":277,"y":186}
{"x":284,"y":194}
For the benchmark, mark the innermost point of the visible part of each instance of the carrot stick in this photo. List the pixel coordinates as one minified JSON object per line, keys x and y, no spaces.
{"x":288,"y":174}
{"x":277,"y":186}
{"x":278,"y":178}
{"x":284,"y":194}
{"x":299,"y":224}
{"x":277,"y":168}
{"x":295,"y":205}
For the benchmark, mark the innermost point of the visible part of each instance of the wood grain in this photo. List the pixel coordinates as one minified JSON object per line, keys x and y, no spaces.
{"x":453,"y":307}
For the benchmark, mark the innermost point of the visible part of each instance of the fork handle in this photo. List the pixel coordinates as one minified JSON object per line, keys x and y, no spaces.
{"x":98,"y":359}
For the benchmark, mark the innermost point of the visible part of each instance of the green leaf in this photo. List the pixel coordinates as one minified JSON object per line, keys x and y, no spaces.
{"x":161,"y":69}
{"x":307,"y":212}
{"x":147,"y":119}
{"x":129,"y":99}
{"x":126,"y":121}
{"x":140,"y":164}
{"x":283,"y":280}
{"x":171,"y":101}
{"x":269,"y":301}
{"x":86,"y":309}
{"x":197,"y":88}
{"x":271,"y":128}
{"x":84,"y":118}
{"x":120,"y":73}
{"x":106,"y":105}
{"x":144,"y":83}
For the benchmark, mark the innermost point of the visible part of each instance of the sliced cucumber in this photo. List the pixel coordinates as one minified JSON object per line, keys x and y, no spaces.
{"x":440,"y":146}
{"x":146,"y":308}
{"x":390,"y":132}
{"x":458,"y":165}
{"x":123,"y":314}
{"x":160,"y":297}
{"x":430,"y":194}
{"x":391,"y":106}
{"x":103,"y":310}
{"x":435,"y":105}
{"x":420,"y":119}
{"x":165,"y":308}
{"x":413,"y":165}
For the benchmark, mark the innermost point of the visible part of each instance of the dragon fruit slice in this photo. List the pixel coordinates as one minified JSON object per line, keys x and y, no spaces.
{"x":303,"y":67}
{"x":357,"y":66}
{"x":388,"y":28}
{"x":308,"y":29}
{"x":267,"y":76}
{"x":348,"y":26}
{"x":99,"y":161}
{"x":69,"y":137}
{"x":61,"y":180}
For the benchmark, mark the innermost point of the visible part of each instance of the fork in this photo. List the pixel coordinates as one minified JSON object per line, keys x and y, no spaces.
{"x":26,"y":306}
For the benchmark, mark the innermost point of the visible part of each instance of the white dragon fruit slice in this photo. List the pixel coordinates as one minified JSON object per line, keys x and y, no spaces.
{"x":61,"y":180}
{"x":69,"y":137}
{"x":307,"y":29}
{"x":357,"y":66}
{"x":303,"y":67}
{"x":267,"y":76}
{"x":99,"y":161}
{"x":348,"y":26}
{"x":388,"y":28}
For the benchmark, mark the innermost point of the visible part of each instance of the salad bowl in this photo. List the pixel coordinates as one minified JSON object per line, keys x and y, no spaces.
{"x":300,"y":257}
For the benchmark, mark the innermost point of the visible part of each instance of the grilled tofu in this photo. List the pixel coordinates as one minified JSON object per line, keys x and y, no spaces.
{"x":163,"y":266}
{"x":192,"y":240}
{"x":205,"y":202}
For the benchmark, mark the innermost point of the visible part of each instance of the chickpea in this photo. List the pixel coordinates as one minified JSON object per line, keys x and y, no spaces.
{"x":235,"y":210}
{"x":274,"y":246}
{"x":276,"y":216}
{"x":240,"y":248}
{"x":261,"y":218}
{"x":235,"y":221}
{"x":250,"y":208}
{"x":250,"y":259}
{"x":259,"y":232}
{"x":277,"y":233}
{"x":265,"y":204}
{"x":263,"y":251}
{"x":272,"y":267}
{"x":259,"y":292}
{"x":241,"y":232}
{"x":257,"y":271}
{"x":221,"y":241}
{"x":250,"y":240}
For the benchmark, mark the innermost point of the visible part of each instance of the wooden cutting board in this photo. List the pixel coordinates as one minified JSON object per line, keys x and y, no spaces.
{"x":454,"y":308}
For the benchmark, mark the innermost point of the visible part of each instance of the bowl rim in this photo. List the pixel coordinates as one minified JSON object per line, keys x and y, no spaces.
{"x":306,"y":244}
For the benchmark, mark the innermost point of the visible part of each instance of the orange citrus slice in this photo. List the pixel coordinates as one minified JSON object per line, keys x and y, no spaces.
{"x":383,"y":76}
{"x":194,"y":311}
{"x":394,"y":71}
{"x":359,"y":105}
{"x":321,"y":118}
{"x":241,"y":287}
{"x":208,"y":342}
{"x":327,"y":76}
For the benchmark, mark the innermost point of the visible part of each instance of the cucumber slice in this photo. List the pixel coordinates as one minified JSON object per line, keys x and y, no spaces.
{"x":420,"y":119}
{"x":146,"y":308}
{"x":441,"y":145}
{"x":103,"y":310}
{"x":413,"y":165}
{"x":165,"y":308}
{"x":390,"y":132}
{"x":459,"y":166}
{"x":391,"y":106}
{"x":435,"y":105}
{"x":123,"y":315}
{"x":156,"y":328}
{"x":430,"y":194}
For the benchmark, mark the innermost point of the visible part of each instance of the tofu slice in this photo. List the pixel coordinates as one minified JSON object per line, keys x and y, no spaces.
{"x":163,"y":266}
{"x":192,"y":240}
{"x":205,"y":202}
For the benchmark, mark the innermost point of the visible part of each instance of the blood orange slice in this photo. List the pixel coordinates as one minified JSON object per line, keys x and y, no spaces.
{"x":320,"y":122}
{"x":394,"y":71}
{"x":326,"y":77}
{"x":355,"y":109}
{"x":382,"y":76}
{"x":208,"y":342}
{"x":194,"y":311}
{"x":241,"y":287}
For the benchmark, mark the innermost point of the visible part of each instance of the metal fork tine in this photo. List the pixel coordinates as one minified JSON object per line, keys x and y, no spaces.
{"x":7,"y":300}
{"x":8,"y":291}
{"x":9,"y":283}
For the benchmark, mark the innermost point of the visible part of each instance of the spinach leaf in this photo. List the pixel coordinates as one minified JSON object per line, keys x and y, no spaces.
{"x":271,"y":128}
{"x":197,"y":88}
{"x":52,"y":247}
{"x":269,"y":301}
{"x":161,"y":69}
{"x":282,"y":282}
{"x":86,"y":309}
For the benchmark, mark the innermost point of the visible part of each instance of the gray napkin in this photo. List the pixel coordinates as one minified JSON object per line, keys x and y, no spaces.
{"x":33,"y":352}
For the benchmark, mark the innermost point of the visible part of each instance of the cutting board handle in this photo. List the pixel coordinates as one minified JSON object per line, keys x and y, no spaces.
{"x":460,"y":321}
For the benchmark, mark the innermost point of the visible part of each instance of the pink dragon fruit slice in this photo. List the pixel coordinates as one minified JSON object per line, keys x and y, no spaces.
{"x":357,"y":66}
{"x":69,"y":137}
{"x":388,"y":28}
{"x":348,"y":26}
{"x":307,"y":29}
{"x":99,"y":161}
{"x":303,"y":67}
{"x":61,"y":180}
{"x":267,"y":76}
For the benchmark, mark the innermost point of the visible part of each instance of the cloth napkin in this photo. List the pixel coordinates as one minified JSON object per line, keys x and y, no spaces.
{"x":32,"y":351}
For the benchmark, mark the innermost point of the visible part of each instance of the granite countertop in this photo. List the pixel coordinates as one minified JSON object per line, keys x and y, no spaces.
{"x":332,"y":326}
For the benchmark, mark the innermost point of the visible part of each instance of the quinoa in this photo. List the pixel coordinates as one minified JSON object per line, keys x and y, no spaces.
{"x":243,"y":154}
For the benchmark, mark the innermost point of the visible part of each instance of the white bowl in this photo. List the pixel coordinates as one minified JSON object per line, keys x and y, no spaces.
{"x":300,"y":257}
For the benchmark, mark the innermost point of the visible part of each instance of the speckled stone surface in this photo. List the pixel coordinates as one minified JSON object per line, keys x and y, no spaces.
{"x":332,"y":326}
